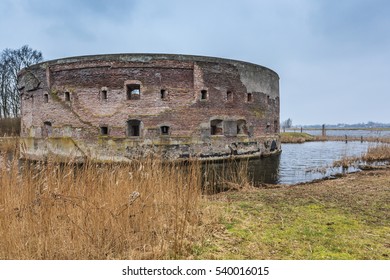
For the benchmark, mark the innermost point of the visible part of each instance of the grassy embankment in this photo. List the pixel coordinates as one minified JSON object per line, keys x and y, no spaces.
{"x":345,"y":218}
{"x":301,"y":137}
{"x":296,"y":137}
{"x":146,"y":210}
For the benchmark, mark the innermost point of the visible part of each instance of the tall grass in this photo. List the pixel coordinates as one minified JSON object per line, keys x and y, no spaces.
{"x":374,"y":154}
{"x":228,"y":175}
{"x":377,"y":153}
{"x":145,"y":210}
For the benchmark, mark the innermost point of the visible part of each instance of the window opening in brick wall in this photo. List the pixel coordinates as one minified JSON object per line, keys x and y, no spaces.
{"x":216,"y":127}
{"x":47,"y":129}
{"x":67,"y":96}
{"x":163,"y":94}
{"x":45,"y":98}
{"x":241,"y":127}
{"x":276,"y":126}
{"x":104,"y":130}
{"x":229,"y":96}
{"x":274,"y":146}
{"x":164,"y":130}
{"x":249,"y":97}
{"x":203,"y":94}
{"x":133,"y":128}
{"x":133,"y":92}
{"x":103,"y":94}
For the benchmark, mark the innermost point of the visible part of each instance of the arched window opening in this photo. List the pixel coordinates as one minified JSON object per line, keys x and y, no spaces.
{"x":67,"y":96}
{"x":267,"y":127}
{"x":229,"y":96}
{"x":241,"y":127}
{"x":163,"y":94}
{"x":104,"y":130}
{"x":133,"y":91}
{"x":164,"y":130}
{"x":103,"y":94}
{"x":249,"y":97}
{"x":45,"y":98}
{"x":47,"y":129}
{"x":216,"y":127}
{"x":134,"y":128}
{"x":203,"y":94}
{"x":274,"y":146}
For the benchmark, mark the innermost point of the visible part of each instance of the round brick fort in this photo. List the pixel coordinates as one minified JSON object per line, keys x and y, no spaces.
{"x":125,"y":106}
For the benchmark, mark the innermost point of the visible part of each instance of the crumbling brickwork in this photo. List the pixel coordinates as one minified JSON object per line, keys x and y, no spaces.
{"x":121,"y":107}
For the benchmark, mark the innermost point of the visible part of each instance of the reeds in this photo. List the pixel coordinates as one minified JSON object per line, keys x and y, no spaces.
{"x":9,"y":144}
{"x":377,"y":153}
{"x":144,"y":210}
{"x":374,"y":154}
{"x":228,"y":175}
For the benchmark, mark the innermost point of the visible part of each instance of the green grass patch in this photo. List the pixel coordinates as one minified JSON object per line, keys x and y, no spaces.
{"x":300,"y":223}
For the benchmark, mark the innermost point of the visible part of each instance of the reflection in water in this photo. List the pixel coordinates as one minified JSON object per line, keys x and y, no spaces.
{"x":230,"y":174}
{"x":313,"y":160}
{"x":264,"y":170}
{"x":297,"y":163}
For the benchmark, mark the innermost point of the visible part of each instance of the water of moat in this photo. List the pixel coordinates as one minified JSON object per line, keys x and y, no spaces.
{"x":302,"y":162}
{"x":357,"y":133}
{"x":296,"y":164}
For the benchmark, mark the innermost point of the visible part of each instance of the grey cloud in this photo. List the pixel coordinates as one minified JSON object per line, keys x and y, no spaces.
{"x":326,"y":52}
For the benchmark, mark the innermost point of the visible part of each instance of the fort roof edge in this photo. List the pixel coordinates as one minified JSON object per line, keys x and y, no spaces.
{"x":146,"y":57}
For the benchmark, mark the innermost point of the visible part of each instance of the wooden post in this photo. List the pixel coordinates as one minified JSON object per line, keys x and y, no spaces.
{"x":323,"y":131}
{"x":346,"y":138}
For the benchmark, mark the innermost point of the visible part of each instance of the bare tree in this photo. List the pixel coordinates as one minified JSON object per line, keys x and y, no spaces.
{"x":11,"y":62}
{"x":287,"y":124}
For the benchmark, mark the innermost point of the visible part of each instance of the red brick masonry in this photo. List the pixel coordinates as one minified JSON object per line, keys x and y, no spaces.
{"x":123,"y":106}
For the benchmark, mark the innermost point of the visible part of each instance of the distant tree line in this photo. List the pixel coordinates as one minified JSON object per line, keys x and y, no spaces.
{"x":286,"y":124}
{"x":369,"y":124}
{"x":11,"y":62}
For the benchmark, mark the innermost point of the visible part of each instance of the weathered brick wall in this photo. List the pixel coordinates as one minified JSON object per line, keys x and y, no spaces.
{"x":75,"y":97}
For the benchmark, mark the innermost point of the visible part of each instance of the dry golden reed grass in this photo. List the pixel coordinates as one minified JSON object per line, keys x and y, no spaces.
{"x":145,"y":210}
{"x":377,"y":153}
{"x":228,"y":175}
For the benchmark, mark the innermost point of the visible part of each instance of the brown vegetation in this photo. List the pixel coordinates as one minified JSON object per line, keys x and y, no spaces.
{"x":150,"y":210}
{"x":376,"y":154}
{"x":145,"y":210}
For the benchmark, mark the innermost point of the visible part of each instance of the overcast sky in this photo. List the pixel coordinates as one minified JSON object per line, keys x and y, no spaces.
{"x":332,"y":56}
